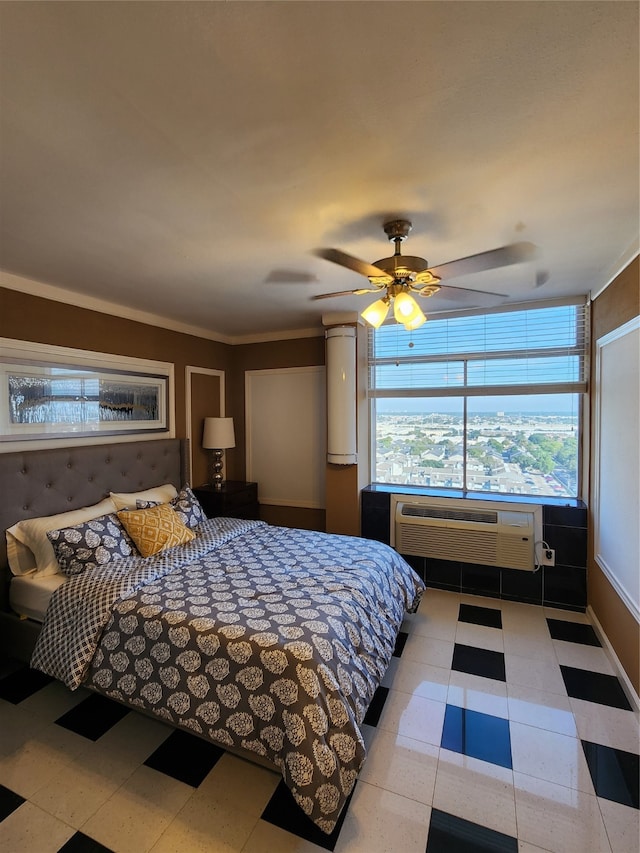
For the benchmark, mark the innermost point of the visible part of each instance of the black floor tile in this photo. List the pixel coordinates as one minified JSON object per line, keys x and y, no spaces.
{"x":400,"y":641}
{"x":450,"y":834}
{"x":185,"y":757}
{"x":614,"y":773}
{"x":477,"y":735}
{"x":22,"y":683}
{"x":9,"y":802}
{"x":484,"y":662}
{"x":372,"y":717}
{"x":92,"y":717}
{"x":594,"y":687}
{"x":81,"y":843}
{"x":488,"y":616}
{"x":573,"y":632}
{"x":283,"y":811}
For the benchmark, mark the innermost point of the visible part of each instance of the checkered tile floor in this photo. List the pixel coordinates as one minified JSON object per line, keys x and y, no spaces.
{"x":498,"y":727}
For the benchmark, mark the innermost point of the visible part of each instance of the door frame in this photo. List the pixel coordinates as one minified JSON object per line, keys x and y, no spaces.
{"x":188,"y":374}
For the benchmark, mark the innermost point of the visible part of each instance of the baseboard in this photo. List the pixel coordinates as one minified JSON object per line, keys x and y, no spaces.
{"x":627,"y":686}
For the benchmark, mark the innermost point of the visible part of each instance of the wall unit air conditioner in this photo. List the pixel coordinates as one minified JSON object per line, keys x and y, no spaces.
{"x":468,"y":531}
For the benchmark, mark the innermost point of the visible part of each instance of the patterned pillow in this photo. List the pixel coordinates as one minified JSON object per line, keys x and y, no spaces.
{"x":90,"y":544}
{"x":155,"y":529}
{"x":185,"y":503}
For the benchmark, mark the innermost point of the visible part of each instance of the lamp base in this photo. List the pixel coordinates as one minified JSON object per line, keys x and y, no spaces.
{"x":216,"y":477}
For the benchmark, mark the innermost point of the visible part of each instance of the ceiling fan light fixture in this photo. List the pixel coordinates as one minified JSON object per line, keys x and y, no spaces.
{"x":376,"y":313}
{"x":405,"y":307}
{"x":417,"y":321}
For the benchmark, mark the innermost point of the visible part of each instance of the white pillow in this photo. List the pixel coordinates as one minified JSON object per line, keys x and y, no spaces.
{"x":20,"y":558}
{"x":159,"y":494}
{"x":32,"y":532}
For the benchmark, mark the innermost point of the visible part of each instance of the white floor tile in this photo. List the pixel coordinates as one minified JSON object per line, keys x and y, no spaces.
{"x":204,"y":825}
{"x":529,"y":644}
{"x":267,"y":838}
{"x":480,"y":636}
{"x":413,"y":716}
{"x":79,"y":789}
{"x":16,"y":728}
{"x":476,"y":791}
{"x":607,"y":726}
{"x":622,"y":824}
{"x":239,"y":784}
{"x":531,"y":672}
{"x":379,"y":821}
{"x":550,"y":756}
{"x":53,"y":701}
{"x":478,"y":694}
{"x":583,"y":657}
{"x":133,"y":819}
{"x":402,"y":765}
{"x":31,"y":767}
{"x":419,"y":679}
{"x":30,"y":829}
{"x":565,"y":615}
{"x":437,"y":625}
{"x":558,"y":819}
{"x":428,"y":650}
{"x":541,"y":709}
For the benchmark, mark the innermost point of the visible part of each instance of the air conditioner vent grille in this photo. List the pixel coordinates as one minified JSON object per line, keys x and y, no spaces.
{"x":417,"y":511}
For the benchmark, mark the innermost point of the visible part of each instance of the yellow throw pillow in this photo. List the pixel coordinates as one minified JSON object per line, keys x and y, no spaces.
{"x":155,"y":529}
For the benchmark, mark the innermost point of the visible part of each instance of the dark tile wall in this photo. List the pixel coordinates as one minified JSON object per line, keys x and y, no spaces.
{"x":563,"y":585}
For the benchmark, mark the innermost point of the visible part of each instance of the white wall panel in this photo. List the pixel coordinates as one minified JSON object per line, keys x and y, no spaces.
{"x":617,"y":503}
{"x":286,"y":435}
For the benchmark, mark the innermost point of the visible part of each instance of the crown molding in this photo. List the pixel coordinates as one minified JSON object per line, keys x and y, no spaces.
{"x":92,"y":303}
{"x":620,"y":264}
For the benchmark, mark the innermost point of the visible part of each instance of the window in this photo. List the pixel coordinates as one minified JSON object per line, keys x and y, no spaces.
{"x":481,"y":402}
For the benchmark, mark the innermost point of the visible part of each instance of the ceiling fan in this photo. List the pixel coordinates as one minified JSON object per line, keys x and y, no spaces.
{"x":401,"y":277}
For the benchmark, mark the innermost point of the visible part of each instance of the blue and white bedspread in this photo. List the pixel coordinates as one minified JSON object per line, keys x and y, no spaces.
{"x":263,"y":638}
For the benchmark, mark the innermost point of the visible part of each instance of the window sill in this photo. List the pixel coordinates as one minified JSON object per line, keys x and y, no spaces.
{"x":543,"y":500}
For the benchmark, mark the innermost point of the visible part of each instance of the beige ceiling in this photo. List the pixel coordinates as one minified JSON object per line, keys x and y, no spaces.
{"x":185,"y":158}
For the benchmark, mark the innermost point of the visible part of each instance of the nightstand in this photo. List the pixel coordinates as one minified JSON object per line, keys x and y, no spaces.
{"x":236,"y":499}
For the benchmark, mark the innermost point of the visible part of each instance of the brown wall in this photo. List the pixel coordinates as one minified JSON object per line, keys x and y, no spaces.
{"x":616,"y":305}
{"x":32,"y":318}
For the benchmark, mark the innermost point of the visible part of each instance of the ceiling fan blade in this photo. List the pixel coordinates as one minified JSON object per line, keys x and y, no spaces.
{"x":514,"y":253}
{"x":355,"y":264}
{"x":358,"y":292}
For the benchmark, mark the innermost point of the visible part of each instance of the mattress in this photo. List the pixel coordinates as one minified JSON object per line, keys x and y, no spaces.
{"x":29,"y":594}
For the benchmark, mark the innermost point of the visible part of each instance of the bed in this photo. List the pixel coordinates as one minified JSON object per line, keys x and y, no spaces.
{"x":268,"y":641}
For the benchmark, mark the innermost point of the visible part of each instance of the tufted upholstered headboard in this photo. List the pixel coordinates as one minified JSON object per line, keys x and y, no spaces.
{"x":44,"y":482}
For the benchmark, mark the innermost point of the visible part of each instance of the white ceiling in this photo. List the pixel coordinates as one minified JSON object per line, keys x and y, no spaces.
{"x":185,"y":158}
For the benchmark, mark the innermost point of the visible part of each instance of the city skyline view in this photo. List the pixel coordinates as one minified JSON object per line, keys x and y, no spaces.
{"x":523,"y":453}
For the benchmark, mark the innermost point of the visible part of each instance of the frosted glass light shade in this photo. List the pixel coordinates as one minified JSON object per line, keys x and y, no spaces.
{"x":218,"y":434}
{"x":405,"y":308}
{"x":417,"y":321}
{"x":375,"y":314}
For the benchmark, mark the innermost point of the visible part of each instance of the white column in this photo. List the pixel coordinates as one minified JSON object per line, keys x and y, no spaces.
{"x":341,"y":395}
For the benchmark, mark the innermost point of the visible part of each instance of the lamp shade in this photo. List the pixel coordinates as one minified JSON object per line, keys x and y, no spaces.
{"x":218,"y":434}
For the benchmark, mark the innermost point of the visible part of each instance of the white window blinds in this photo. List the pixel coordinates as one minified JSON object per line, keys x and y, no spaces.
{"x":531,"y":349}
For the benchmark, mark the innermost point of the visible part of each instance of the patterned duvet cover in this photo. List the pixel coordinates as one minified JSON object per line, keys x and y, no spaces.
{"x":261,"y":638}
